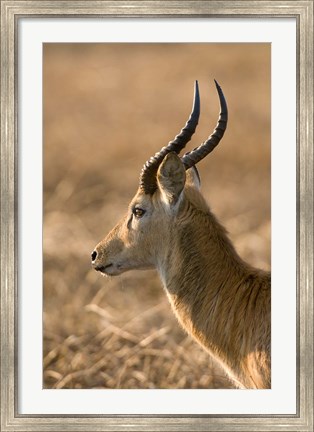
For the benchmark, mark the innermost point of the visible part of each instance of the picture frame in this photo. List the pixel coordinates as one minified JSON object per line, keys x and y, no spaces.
{"x":11,"y":12}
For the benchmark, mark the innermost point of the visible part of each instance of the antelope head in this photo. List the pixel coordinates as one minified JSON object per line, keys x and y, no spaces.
{"x":142,"y":238}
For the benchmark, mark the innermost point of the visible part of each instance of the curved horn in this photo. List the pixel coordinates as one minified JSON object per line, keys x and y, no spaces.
{"x":190,"y":159}
{"x":148,"y":174}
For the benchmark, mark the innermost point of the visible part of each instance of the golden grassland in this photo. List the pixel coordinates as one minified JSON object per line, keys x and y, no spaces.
{"x":107,"y":109}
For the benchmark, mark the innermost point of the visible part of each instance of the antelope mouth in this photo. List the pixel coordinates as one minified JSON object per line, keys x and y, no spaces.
{"x":102,"y":269}
{"x":109,"y":269}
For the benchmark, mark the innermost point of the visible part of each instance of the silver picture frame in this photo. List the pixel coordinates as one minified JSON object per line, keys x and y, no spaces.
{"x":11,"y":12}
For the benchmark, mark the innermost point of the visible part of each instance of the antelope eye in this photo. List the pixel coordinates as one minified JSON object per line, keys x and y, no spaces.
{"x":138,"y":212}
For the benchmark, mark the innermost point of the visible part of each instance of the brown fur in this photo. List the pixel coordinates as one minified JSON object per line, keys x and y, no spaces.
{"x":218,"y":298}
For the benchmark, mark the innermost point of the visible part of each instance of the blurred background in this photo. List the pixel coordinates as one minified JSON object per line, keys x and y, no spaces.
{"x":107,"y":109}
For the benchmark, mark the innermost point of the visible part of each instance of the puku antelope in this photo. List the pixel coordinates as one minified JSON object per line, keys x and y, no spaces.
{"x":219,"y":299}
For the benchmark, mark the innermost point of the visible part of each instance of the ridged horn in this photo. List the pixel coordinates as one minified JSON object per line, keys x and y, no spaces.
{"x":148,"y":182}
{"x":192,"y":158}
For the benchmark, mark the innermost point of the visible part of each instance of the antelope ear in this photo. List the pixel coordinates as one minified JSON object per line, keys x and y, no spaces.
{"x":171,"y":178}
{"x":193,"y":178}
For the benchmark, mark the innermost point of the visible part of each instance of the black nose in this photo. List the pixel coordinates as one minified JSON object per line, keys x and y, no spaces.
{"x":94,"y":256}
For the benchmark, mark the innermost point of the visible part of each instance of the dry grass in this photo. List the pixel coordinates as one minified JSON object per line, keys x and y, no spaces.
{"x":108,"y":108}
